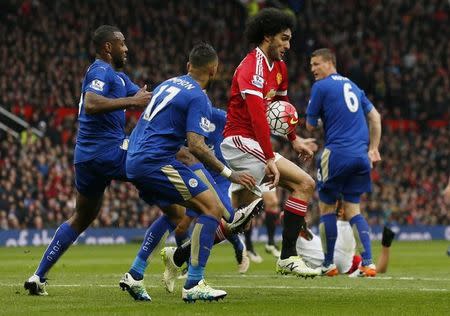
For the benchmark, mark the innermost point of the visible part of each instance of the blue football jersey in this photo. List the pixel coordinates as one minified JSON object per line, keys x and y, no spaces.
{"x":178,"y":106}
{"x":99,"y":132}
{"x":342,"y":106}
{"x":215,"y":138}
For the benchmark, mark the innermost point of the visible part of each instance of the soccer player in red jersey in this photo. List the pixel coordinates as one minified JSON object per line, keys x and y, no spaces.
{"x":260,"y":79}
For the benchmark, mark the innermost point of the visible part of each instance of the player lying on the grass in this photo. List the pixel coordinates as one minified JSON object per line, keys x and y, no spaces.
{"x":100,"y":149}
{"x":180,"y":110}
{"x":345,"y":257}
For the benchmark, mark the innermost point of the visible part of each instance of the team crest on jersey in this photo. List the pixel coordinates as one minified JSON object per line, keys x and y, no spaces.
{"x":270,"y":94}
{"x":205,"y":124}
{"x":212,"y":127}
{"x":258,"y":81}
{"x":279,"y":78}
{"x":193,"y":183}
{"x":97,"y":85}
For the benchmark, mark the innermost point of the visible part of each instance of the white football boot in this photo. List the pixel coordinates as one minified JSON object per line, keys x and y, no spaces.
{"x":243,"y":215}
{"x":296,"y":266}
{"x":202,"y":292}
{"x":171,"y":270}
{"x":35,"y":286}
{"x":134,"y":287}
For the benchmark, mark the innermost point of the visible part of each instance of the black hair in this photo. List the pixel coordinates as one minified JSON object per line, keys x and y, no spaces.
{"x":326,"y":54}
{"x":202,"y":54}
{"x":103,"y":34}
{"x":268,"y":22}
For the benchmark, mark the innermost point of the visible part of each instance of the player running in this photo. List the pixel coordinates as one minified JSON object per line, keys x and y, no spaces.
{"x":180,"y":110}
{"x":350,"y":149}
{"x":175,"y":258}
{"x":101,"y":145}
{"x":260,"y":79}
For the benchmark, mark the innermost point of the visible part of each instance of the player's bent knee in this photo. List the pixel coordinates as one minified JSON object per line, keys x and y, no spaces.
{"x":307,"y":185}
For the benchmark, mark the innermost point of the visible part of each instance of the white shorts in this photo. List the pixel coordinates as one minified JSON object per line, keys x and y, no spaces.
{"x":344,"y":250}
{"x":245,"y":154}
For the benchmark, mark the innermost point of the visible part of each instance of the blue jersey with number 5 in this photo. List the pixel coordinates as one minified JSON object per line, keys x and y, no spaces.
{"x":342,"y":106}
{"x":98,"y":133}
{"x":178,"y":106}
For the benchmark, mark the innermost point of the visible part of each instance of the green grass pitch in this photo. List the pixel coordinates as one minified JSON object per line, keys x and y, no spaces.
{"x":85,"y":282}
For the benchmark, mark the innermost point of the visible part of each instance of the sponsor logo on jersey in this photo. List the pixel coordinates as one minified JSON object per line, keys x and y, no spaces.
{"x":205,"y":124}
{"x":279,"y":78}
{"x":193,"y":183}
{"x":97,"y":85}
{"x":258,"y":81}
{"x":212,"y":127}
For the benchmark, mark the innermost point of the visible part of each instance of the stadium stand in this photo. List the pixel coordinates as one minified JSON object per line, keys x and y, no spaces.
{"x":46,"y":49}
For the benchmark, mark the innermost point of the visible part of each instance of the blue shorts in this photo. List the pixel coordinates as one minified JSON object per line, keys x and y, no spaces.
{"x":223,"y":184}
{"x":93,"y":176}
{"x":219,"y":188}
{"x":340,"y":175}
{"x":163,"y":182}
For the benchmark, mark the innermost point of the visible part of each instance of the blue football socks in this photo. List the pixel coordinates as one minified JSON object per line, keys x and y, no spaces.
{"x":162,"y":226}
{"x":328,"y":235}
{"x":202,"y":240}
{"x":64,"y":237}
{"x":362,"y":236}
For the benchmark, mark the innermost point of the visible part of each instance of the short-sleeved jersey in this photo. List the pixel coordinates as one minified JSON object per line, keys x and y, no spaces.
{"x":253,"y":76}
{"x":99,"y":132}
{"x":178,"y":106}
{"x":215,"y":137}
{"x":342,"y":106}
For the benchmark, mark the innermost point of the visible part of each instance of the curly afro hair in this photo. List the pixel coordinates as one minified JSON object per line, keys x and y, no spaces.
{"x":268,"y":22}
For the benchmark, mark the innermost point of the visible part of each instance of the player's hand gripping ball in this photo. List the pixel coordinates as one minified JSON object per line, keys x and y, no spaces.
{"x":282,"y":117}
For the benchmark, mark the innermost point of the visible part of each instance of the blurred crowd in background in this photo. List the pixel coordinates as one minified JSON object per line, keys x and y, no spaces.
{"x":395,"y":50}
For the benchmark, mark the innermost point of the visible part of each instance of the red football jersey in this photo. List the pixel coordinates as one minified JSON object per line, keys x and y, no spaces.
{"x":254,"y":76}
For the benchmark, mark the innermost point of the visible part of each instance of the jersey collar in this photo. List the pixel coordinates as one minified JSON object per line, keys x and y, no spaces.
{"x":266,"y":59}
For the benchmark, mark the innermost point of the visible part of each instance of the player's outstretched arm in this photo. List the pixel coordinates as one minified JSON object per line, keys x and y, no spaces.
{"x":197,"y":146}
{"x":97,"y":104}
{"x":386,"y":241}
{"x":374,"y":120}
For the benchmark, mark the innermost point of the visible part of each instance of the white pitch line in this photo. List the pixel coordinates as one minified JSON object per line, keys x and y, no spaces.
{"x":257,"y":276}
{"x":274,"y":287}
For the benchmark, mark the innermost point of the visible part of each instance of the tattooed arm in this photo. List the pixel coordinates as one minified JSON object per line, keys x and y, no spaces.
{"x":202,"y":152}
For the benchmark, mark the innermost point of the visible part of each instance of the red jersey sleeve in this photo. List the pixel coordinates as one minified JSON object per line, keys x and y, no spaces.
{"x":251,"y":82}
{"x":250,"y":78}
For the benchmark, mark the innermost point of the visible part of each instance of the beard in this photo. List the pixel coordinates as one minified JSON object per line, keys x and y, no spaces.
{"x":273,"y":53}
{"x":119,"y":61}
